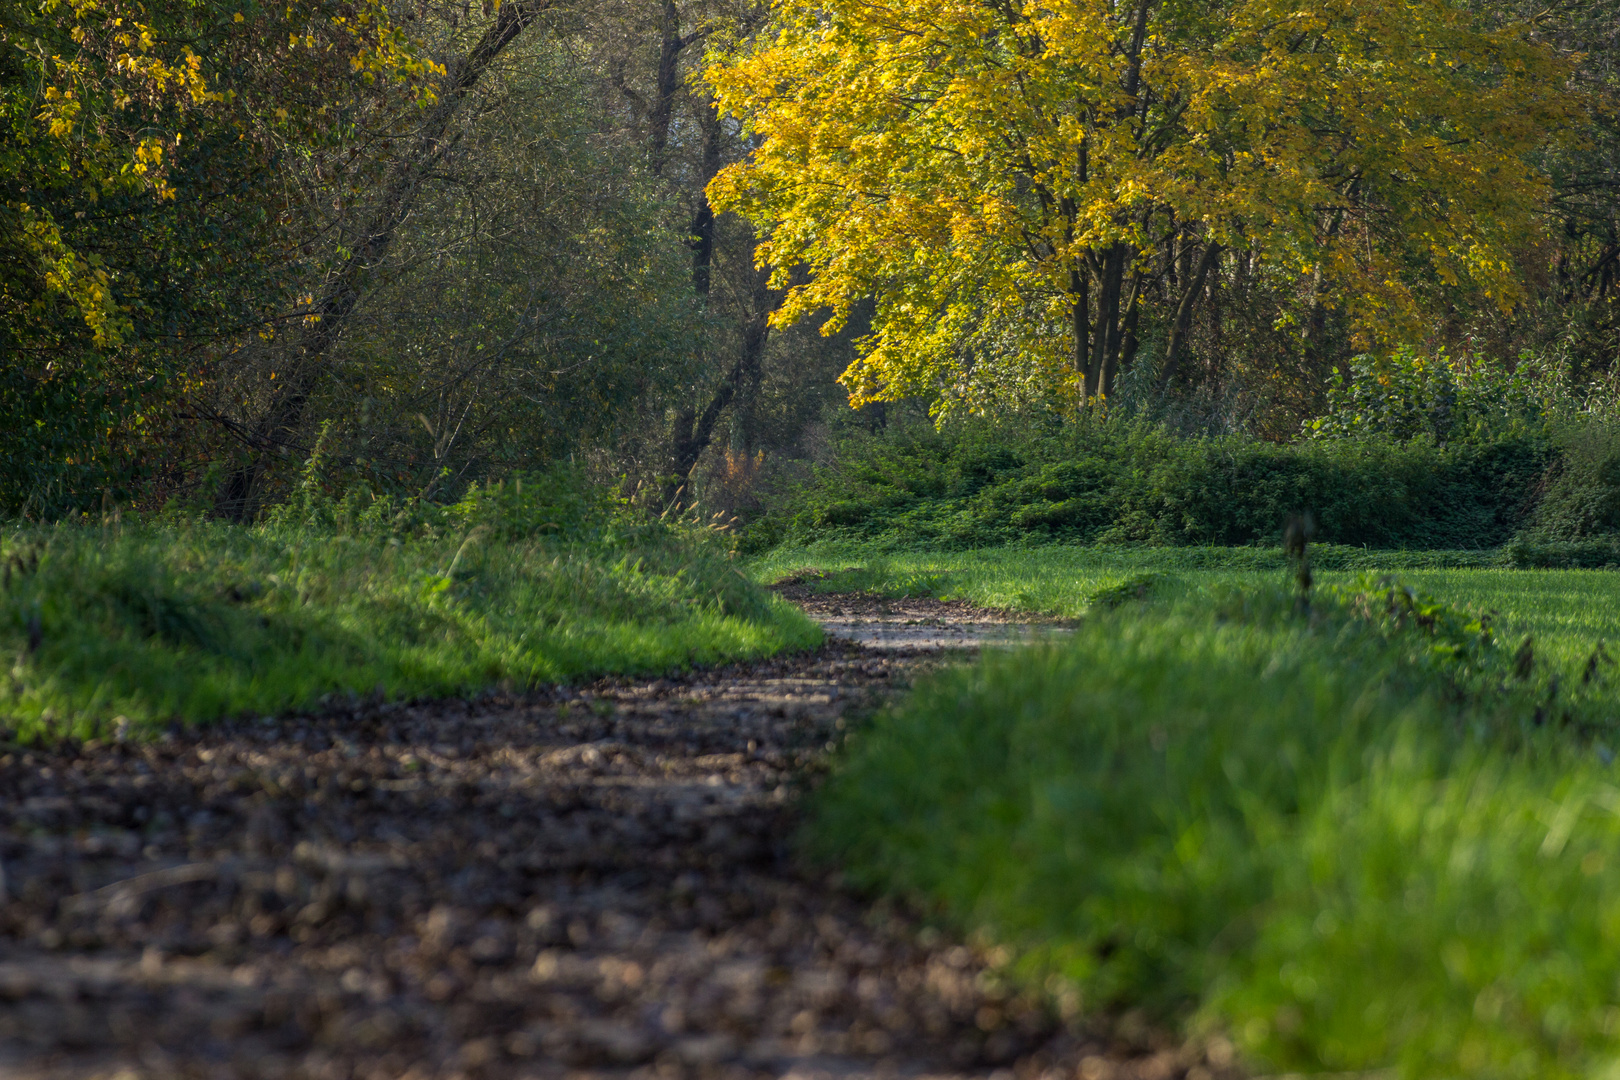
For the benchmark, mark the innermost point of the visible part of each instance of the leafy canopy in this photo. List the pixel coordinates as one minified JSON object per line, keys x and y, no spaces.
{"x":978,"y":166}
{"x":101,"y":94}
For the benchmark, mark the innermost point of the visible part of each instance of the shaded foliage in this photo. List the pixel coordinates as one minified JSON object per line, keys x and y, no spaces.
{"x":1121,"y":482}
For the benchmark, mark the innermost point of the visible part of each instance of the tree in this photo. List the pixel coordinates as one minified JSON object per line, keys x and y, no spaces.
{"x":141,"y":205}
{"x":649,"y":51}
{"x":1031,"y":191}
{"x":529,"y":308}
{"x":463,"y":60}
{"x":1584,"y":302}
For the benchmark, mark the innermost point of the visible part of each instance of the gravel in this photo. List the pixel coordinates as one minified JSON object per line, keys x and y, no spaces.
{"x":582,"y":882}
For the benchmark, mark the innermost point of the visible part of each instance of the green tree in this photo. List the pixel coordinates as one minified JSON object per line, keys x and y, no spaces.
{"x":142,"y":210}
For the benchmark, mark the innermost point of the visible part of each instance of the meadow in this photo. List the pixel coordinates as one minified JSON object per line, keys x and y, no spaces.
{"x":1377,"y":830}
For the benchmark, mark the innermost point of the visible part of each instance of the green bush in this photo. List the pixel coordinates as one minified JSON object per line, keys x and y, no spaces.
{"x":1582,"y":491}
{"x":1372,"y":837}
{"x":1127,"y":483}
{"x":1409,"y":395}
{"x":1528,"y":553}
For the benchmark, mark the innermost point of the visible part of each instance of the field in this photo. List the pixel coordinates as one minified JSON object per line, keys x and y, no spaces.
{"x":1566,"y":612}
{"x":1380,"y":834}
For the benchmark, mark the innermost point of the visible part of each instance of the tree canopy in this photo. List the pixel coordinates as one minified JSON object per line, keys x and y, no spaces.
{"x":147,"y":208}
{"x":1033,"y":189}
{"x":462,"y":239}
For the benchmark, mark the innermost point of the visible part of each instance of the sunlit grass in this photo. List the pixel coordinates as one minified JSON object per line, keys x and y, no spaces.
{"x":1565,"y":612}
{"x":1346,"y":841}
{"x":190,"y":622}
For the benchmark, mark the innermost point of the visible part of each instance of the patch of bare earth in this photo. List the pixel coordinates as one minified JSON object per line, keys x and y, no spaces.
{"x":583,"y":883}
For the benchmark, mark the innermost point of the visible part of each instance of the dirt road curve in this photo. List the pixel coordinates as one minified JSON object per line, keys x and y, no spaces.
{"x":591,"y":883}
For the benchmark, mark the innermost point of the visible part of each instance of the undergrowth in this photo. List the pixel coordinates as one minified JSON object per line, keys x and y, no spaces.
{"x":133,"y":626}
{"x":1375,"y":834}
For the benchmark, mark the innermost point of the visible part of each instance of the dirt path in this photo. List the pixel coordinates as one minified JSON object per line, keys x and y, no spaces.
{"x":589,"y":883}
{"x":920,"y":624}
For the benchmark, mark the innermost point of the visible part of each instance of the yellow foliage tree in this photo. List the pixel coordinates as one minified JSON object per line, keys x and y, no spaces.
{"x":1026,"y":187}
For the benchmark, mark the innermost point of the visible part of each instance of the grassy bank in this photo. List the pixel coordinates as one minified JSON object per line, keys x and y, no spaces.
{"x":1375,"y":836}
{"x":191,"y":621}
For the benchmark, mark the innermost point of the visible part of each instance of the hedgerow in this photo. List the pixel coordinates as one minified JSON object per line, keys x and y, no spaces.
{"x":1134,"y":483}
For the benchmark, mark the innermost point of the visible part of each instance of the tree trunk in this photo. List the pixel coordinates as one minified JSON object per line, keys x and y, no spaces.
{"x":693,"y":433}
{"x":666,"y":83}
{"x":1106,"y":336}
{"x":1316,"y":317}
{"x":694,"y":430}
{"x":1080,"y":314}
{"x":1128,"y":342}
{"x":702,"y":241}
{"x":1111,"y":330}
{"x":1122,"y":334}
{"x":277,"y":429}
{"x":1184,"y":312}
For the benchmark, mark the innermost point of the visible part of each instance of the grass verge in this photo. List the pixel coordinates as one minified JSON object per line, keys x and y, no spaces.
{"x":144,"y":625}
{"x":1375,"y":837}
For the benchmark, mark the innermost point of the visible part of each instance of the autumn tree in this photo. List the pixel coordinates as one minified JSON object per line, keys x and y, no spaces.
{"x":1030,"y":190}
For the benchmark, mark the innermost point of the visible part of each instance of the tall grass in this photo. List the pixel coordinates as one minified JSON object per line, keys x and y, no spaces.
{"x":147,"y":624}
{"x":1372,"y":836}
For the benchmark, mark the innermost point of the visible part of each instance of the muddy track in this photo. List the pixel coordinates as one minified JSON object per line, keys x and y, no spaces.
{"x":592,"y":881}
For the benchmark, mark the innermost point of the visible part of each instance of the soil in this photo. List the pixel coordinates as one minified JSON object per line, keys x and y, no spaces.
{"x":585,"y":882}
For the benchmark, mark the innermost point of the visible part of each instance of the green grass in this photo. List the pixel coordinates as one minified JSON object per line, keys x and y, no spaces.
{"x":1565,"y":612}
{"x":190,"y":622}
{"x":1370,"y":838}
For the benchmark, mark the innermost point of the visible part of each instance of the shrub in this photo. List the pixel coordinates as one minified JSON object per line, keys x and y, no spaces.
{"x":1409,"y":395}
{"x":1581,"y":500}
{"x":1127,"y":482}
